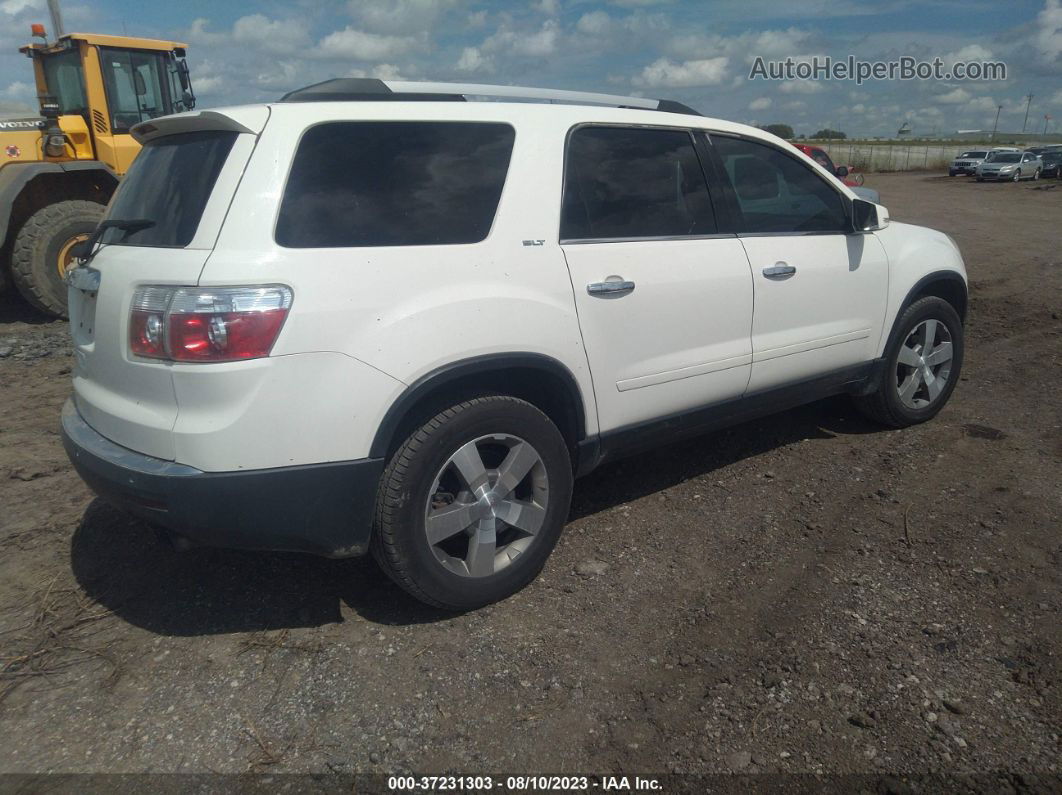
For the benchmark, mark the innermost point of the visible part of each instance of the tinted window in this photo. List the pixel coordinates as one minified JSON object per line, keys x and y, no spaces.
{"x":394,"y":184}
{"x":134,"y":86}
{"x":65,"y":81}
{"x":169,"y":183}
{"x":823,"y":160}
{"x":622,"y":183}
{"x":775,"y":192}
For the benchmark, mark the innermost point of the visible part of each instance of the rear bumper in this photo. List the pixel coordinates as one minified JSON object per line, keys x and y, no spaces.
{"x":325,"y":509}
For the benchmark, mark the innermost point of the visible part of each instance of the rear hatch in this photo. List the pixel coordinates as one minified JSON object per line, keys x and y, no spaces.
{"x":180,"y":187}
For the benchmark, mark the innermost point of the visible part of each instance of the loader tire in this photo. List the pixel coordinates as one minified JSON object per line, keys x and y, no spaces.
{"x":41,"y":254}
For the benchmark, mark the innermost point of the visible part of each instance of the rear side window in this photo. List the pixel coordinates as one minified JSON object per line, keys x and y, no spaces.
{"x":169,"y":184}
{"x":394,"y":184}
{"x":775,"y":192}
{"x":633,"y":182}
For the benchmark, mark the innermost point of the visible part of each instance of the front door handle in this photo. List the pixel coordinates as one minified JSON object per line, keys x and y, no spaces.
{"x":609,"y":288}
{"x":780,"y":269}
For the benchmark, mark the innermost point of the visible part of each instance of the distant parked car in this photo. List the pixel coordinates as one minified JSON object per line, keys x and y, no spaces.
{"x":1012,"y":166}
{"x":821,"y":156}
{"x":1041,"y":150}
{"x":967,"y":162}
{"x":1052,"y":163}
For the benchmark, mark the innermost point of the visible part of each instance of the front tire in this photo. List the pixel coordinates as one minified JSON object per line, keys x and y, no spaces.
{"x":473,"y":503}
{"x":922,"y":365}
{"x":1016,"y":177}
{"x":41,"y":254}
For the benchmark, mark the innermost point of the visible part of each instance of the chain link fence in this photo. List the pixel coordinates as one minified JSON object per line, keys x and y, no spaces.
{"x":894,"y":157}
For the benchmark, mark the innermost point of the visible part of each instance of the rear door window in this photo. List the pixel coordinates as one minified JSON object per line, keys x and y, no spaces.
{"x":622,"y":183}
{"x":169,"y":184}
{"x":394,"y":184}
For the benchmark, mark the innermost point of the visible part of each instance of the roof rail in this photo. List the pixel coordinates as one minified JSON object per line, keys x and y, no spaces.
{"x":370,"y":89}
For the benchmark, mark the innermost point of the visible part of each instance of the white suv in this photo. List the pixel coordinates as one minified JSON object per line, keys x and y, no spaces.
{"x":377,"y":316}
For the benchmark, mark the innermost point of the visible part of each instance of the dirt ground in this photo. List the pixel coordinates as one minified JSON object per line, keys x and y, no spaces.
{"x":807,"y":593}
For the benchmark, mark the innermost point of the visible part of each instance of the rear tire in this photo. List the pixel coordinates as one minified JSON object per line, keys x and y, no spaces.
{"x":914,"y":388}
{"x":41,"y":243}
{"x":442,"y":529}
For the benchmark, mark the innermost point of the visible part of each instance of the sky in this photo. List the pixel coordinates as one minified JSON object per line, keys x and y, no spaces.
{"x":699,"y":53}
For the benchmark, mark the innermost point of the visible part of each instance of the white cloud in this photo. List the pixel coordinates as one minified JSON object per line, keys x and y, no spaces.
{"x":548,"y":7}
{"x":477,"y":19}
{"x":472,"y":60}
{"x":359,"y":45}
{"x":541,"y":42}
{"x":383,"y":71}
{"x":275,"y":36}
{"x":205,"y":86}
{"x":957,"y":97}
{"x":19,"y":90}
{"x":761,"y":103}
{"x":1048,"y":38}
{"x":667,"y":73}
{"x":594,"y":23}
{"x":800,"y":87}
{"x":18,"y":6}
{"x":398,"y":16}
{"x":859,"y":107}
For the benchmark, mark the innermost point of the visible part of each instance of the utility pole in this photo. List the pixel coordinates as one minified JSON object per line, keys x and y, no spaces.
{"x":995,"y":126}
{"x":1028,"y":104}
{"x":1046,"y":120}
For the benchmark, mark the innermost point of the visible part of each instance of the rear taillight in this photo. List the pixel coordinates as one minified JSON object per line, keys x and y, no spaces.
{"x":207,"y":324}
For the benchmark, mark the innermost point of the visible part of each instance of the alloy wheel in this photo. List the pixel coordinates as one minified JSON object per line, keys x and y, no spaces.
{"x":923,"y":365}
{"x":486,"y":505}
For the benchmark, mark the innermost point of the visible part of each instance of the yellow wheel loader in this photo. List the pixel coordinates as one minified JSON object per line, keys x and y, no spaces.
{"x":59,"y":169}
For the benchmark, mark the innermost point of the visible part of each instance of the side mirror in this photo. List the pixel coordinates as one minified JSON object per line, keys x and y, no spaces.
{"x":867,"y":216}
{"x":842,"y":171}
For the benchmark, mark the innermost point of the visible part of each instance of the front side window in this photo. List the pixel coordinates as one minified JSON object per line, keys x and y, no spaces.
{"x":66,"y":81}
{"x":169,"y":184}
{"x":823,"y":160}
{"x":775,"y":192}
{"x":632,"y":183}
{"x":134,"y":82}
{"x":394,"y":184}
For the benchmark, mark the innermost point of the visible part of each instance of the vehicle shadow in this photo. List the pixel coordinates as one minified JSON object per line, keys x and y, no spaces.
{"x":125,"y":566}
{"x":14,"y":310}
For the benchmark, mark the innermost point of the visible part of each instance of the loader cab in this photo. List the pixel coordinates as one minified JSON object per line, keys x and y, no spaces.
{"x":101,"y":86}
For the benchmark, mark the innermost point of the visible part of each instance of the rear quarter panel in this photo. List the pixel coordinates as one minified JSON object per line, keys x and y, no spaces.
{"x":403,"y":312}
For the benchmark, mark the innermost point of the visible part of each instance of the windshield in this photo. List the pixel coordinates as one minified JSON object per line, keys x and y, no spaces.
{"x":66,"y":81}
{"x":169,"y":184}
{"x":140,"y":85}
{"x":972,"y":154}
{"x":1004,"y":157}
{"x":1051,"y":157}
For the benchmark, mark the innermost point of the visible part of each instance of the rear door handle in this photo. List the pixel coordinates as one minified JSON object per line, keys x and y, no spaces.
{"x":609,"y":288}
{"x":781,"y":269}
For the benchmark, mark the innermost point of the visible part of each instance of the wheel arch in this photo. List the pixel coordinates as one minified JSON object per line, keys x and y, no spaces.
{"x":27,"y":187}
{"x":541,"y":380}
{"x":949,"y":286}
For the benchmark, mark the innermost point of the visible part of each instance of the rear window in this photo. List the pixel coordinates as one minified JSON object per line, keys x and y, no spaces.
{"x":169,"y":184}
{"x":394,"y":184}
{"x":624,"y":182}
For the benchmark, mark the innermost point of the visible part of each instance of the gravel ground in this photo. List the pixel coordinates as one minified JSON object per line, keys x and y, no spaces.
{"x":807,"y":593}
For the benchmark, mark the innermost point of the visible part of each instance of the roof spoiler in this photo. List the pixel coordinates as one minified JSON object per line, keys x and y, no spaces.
{"x":368,"y":89}
{"x":249,"y":119}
